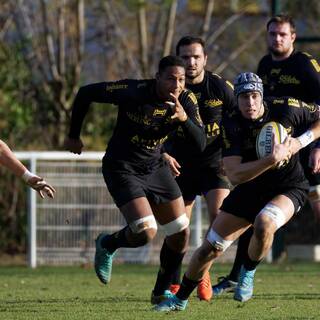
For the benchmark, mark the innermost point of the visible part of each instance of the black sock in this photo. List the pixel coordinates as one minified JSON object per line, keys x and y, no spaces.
{"x":116,"y":240}
{"x":169,"y":262}
{"x":242,"y":249}
{"x":176,"y":279}
{"x":250,"y":264}
{"x":186,"y":288}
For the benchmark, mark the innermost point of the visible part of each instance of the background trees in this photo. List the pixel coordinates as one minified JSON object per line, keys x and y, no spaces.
{"x":49,"y":48}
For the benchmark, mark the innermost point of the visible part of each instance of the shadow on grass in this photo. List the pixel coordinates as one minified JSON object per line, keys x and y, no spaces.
{"x":113,"y":300}
{"x":277,"y":296}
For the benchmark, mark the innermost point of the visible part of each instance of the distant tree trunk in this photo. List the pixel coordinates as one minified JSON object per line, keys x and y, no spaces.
{"x":207,"y":19}
{"x":143,"y":37}
{"x":170,"y":28}
{"x":48,"y":62}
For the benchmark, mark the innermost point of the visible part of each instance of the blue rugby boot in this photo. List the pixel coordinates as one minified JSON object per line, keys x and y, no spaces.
{"x":171,"y":304}
{"x":244,"y":290}
{"x":224,"y":285}
{"x":103,"y":261}
{"x":158,"y":299}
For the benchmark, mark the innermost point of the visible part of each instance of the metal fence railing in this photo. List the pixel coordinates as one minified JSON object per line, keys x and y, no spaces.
{"x":63,"y":230}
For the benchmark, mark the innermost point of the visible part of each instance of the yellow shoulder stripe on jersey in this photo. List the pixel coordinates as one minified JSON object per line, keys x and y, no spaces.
{"x":192,"y":97}
{"x":315,"y":64}
{"x":229,"y":84}
{"x":306,"y":54}
{"x":215,"y":74}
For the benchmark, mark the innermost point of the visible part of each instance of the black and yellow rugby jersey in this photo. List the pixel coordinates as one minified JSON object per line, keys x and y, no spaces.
{"x":240,"y":134}
{"x":215,"y":96}
{"x":297,"y":76}
{"x":143,"y":121}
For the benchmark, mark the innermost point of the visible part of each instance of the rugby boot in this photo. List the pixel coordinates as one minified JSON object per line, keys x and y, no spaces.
{"x":204,"y":289}
{"x":171,"y":304}
{"x":158,"y":299}
{"x":224,"y":285}
{"x":244,"y":289}
{"x":103,"y":261}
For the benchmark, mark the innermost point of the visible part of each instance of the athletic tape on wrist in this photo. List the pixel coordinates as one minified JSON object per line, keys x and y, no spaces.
{"x":27,"y":176}
{"x":306,"y":138}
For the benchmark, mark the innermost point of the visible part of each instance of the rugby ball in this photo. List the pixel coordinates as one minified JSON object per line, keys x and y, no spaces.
{"x":264,"y":142}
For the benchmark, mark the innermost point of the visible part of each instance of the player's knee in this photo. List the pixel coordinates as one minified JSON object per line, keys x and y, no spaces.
{"x":147,"y":236}
{"x":219,"y":244}
{"x":144,"y":229}
{"x":269,"y":220}
{"x":207,"y":253}
{"x":213,"y":214}
{"x":179,"y":225}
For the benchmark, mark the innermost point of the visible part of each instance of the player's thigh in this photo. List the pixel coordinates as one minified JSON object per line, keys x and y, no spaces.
{"x":229,"y":227}
{"x":214,"y":199}
{"x":169,"y":211}
{"x":136,"y":209}
{"x":189,"y":207}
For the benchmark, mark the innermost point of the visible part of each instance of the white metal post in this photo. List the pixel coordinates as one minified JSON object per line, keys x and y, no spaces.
{"x":32,"y":222}
{"x":198,"y":222}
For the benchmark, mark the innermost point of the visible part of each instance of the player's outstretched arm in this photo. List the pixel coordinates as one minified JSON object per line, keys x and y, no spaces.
{"x":10,"y":161}
{"x":73,"y":145}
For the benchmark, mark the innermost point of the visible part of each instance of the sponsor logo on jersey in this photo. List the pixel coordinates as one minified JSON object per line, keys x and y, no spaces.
{"x":150,"y":144}
{"x":159,"y":112}
{"x":213,"y":103}
{"x":315,"y":64}
{"x":310,"y":107}
{"x":212,"y":129}
{"x":275,"y":71}
{"x":135,"y":117}
{"x":287,"y":79}
{"x":293,"y":102}
{"x":116,"y":87}
{"x":142,"y":85}
{"x":278,"y":101}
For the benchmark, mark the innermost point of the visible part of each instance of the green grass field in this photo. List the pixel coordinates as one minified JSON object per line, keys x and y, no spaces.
{"x":290,"y":291}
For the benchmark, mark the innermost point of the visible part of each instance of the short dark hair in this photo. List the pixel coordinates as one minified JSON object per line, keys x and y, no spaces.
{"x":170,"y":61}
{"x":282,"y":18}
{"x":187,"y":41}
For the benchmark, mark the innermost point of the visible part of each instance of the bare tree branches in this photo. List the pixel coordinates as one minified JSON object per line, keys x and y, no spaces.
{"x":240,"y":49}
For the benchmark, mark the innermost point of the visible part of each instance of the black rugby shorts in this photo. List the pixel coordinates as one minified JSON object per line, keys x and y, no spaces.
{"x":200,"y":181}
{"x":246,"y":202}
{"x":157,"y":185}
